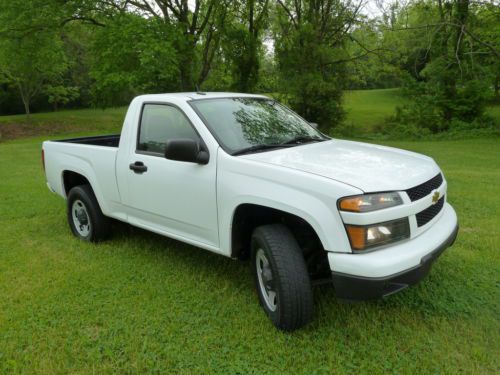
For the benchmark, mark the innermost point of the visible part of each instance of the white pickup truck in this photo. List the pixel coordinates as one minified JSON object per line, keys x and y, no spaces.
{"x":243,"y":176}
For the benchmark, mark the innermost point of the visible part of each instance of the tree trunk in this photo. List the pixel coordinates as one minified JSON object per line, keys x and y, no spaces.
{"x":186,"y":64}
{"x":26,"y":101}
{"x":497,"y":86}
{"x":455,"y":71}
{"x":185,"y":71}
{"x":447,"y":80}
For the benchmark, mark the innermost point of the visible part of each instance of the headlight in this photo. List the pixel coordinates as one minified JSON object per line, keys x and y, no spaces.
{"x":374,"y":235}
{"x":370,"y":202}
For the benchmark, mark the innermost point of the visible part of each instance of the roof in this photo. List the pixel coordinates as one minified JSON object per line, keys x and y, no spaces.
{"x":187,"y":96}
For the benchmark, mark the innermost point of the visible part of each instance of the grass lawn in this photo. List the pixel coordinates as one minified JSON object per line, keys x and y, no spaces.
{"x":141,"y":303}
{"x":366,"y":109}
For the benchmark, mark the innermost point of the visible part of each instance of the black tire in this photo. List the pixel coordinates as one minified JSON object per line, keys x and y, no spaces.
{"x":99,"y":225}
{"x":293,"y":294}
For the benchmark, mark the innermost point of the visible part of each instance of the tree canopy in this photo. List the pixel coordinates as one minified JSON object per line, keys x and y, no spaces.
{"x":79,"y":53}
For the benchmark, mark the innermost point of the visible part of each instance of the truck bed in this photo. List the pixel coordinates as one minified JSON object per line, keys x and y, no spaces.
{"x":103,"y":140}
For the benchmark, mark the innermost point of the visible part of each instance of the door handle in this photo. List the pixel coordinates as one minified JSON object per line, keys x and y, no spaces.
{"x":138,"y":167}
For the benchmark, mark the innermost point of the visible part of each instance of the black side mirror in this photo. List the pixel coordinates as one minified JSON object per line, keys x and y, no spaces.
{"x":314,"y":125}
{"x":185,"y":149}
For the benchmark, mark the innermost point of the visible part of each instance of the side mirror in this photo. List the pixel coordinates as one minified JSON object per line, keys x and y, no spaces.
{"x":185,"y":149}
{"x":314,"y":125}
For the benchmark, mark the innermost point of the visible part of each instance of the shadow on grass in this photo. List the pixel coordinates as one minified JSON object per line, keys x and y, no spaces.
{"x":436,"y":295}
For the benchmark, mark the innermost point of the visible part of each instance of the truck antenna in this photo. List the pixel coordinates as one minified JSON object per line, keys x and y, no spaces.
{"x":198,"y":90}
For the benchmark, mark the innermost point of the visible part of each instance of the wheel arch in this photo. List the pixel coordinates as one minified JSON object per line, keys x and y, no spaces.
{"x":248,"y":216}
{"x":70,"y":179}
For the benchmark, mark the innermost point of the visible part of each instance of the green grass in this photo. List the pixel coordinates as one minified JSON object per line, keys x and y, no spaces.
{"x":368,"y":109}
{"x":365,"y":109}
{"x":88,"y":121}
{"x":141,"y":303}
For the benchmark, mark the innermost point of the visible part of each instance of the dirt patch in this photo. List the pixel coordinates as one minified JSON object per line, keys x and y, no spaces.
{"x":23,"y":130}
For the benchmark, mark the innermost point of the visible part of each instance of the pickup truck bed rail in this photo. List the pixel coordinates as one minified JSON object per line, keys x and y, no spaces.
{"x":104,"y":140}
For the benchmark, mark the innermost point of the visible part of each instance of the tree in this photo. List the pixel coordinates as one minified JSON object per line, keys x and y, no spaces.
{"x":196,"y":25}
{"x":446,"y":57}
{"x":243,"y":42}
{"x":374,"y":67}
{"x":30,"y":63}
{"x":311,"y":36}
{"x":486,"y":23}
{"x":31,"y":54}
{"x":60,"y":94}
{"x":132,"y":55}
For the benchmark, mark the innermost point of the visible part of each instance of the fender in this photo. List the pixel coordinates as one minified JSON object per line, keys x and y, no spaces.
{"x":280,"y":188}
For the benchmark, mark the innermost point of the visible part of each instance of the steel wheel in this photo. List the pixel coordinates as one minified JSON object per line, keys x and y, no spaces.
{"x":266,"y":280}
{"x":81,"y":219}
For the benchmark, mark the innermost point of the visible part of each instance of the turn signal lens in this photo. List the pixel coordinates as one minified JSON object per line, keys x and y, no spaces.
{"x":370,"y":202}
{"x":375,"y":235}
{"x":357,"y":236}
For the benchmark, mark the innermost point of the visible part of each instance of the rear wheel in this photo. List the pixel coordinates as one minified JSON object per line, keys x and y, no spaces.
{"x":85,"y":217}
{"x":281,"y":277}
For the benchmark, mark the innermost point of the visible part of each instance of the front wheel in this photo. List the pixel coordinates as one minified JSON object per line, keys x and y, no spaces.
{"x":281,"y":277}
{"x":85,"y":217}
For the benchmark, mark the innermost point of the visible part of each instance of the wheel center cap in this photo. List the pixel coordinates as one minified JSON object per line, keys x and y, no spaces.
{"x":267,"y":276}
{"x":82,"y":217}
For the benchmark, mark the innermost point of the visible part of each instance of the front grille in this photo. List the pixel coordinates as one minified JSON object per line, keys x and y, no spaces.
{"x":423,"y":217}
{"x":422,"y":190}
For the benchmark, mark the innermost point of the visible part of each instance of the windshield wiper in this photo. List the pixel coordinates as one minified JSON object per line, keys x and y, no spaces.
{"x":303,"y":139}
{"x":248,"y":150}
{"x":291,"y":142}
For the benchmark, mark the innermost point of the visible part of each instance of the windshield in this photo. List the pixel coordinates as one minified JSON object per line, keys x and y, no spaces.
{"x":242,"y":123}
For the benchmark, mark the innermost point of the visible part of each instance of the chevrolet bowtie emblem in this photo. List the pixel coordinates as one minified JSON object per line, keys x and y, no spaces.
{"x":435,"y":197}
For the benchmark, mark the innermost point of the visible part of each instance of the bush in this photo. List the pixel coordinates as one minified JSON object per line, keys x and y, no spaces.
{"x":408,"y":123}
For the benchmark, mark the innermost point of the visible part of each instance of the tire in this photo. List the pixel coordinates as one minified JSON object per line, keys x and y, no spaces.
{"x":85,"y":218}
{"x":291,"y":307}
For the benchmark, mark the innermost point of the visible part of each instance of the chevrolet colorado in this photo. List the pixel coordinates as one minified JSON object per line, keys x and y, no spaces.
{"x":245,"y":177}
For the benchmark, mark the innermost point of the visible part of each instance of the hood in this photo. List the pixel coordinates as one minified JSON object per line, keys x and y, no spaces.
{"x":370,"y":168}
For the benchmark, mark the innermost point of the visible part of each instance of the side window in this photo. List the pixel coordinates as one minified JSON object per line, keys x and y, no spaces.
{"x":159,"y":123}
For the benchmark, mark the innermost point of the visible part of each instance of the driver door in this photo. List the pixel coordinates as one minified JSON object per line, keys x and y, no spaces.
{"x":170,"y":197}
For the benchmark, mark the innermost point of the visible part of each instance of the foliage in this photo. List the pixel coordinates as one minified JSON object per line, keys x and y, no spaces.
{"x":242,"y":42}
{"x":372,"y":64}
{"x":370,"y":115}
{"x":443,"y":53}
{"x":61,"y":95}
{"x":426,"y":113}
{"x":31,"y":57}
{"x":310,"y":37}
{"x":268,"y":74}
{"x":197,"y":26}
{"x":132,"y":55}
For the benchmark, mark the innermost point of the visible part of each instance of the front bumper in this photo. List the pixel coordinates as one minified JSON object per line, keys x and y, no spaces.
{"x":384,"y":272}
